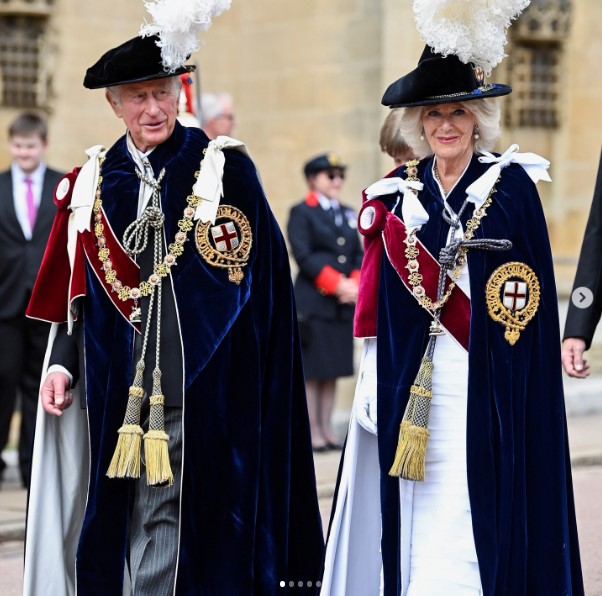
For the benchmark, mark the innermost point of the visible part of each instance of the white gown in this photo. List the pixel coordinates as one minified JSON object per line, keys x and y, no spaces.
{"x":442,"y":554}
{"x":438,"y":555}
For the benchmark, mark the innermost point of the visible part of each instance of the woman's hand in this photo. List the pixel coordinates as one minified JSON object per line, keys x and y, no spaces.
{"x":365,"y":402}
{"x":346,"y":291}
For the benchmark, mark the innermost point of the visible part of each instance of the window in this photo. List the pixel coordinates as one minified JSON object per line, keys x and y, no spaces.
{"x":24,"y":53}
{"x":534,"y":64}
{"x":535,"y":79}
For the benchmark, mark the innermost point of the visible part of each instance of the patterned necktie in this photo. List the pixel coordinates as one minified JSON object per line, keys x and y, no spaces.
{"x":32,"y":210}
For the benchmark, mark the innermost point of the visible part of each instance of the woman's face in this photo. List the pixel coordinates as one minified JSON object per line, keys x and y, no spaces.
{"x":328,"y":182}
{"x":449,"y":130}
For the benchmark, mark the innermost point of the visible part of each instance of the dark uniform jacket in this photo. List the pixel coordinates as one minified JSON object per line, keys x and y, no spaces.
{"x":324,"y":251}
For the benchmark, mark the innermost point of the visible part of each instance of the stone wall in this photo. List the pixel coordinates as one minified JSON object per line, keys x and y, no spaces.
{"x":308,"y":77}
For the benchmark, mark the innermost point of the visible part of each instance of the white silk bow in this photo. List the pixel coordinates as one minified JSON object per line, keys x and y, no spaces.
{"x":535,"y":166}
{"x":209,"y":185}
{"x":84,"y":189}
{"x":412,"y":211}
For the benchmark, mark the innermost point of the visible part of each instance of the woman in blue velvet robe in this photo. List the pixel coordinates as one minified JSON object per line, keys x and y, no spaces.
{"x":503,"y":521}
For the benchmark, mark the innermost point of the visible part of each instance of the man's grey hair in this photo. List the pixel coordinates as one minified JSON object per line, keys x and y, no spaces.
{"x":486,"y":112}
{"x":212,"y":104}
{"x":115,"y":90}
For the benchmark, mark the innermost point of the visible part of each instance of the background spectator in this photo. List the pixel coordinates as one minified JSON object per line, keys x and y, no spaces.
{"x":217,"y":116}
{"x":325,"y":243}
{"x":26,"y":214}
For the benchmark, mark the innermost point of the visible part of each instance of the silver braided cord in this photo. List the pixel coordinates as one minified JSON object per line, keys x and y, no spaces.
{"x":448,"y":256}
{"x":449,"y":253}
{"x":135,"y":237}
{"x":135,"y":240}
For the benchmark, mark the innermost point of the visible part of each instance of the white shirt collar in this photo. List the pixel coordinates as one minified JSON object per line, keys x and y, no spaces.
{"x":37,"y":176}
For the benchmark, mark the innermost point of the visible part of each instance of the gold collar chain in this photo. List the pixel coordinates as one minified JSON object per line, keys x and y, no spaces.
{"x":161,"y":269}
{"x":412,"y":251}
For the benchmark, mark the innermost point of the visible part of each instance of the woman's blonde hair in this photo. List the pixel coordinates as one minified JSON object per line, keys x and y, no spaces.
{"x":486,"y":112}
{"x":391,"y":141}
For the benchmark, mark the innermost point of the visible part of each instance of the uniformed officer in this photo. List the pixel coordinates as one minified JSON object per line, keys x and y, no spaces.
{"x":323,"y":236}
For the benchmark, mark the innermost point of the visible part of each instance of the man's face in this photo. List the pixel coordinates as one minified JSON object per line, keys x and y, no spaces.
{"x":27,"y":151}
{"x":149,"y":110}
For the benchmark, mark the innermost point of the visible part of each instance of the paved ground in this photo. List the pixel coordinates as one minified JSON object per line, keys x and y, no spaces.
{"x":584,"y":403}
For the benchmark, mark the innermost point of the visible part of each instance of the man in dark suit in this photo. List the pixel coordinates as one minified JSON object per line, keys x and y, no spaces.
{"x":26,"y":215}
{"x":585,"y":305}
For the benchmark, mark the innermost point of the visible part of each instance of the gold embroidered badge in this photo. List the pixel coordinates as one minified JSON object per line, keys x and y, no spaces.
{"x":227,"y":243}
{"x":512,"y":294}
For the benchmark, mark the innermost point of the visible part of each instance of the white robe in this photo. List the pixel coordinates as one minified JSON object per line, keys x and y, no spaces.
{"x":57,"y":498}
{"x":438,"y":555}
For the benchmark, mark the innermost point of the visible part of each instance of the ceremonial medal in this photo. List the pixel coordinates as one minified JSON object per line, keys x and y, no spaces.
{"x":227,"y":243}
{"x":512,"y":294}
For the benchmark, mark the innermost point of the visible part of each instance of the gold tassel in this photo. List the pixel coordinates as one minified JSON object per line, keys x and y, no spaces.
{"x":156,"y":452}
{"x":410,"y":456}
{"x":126,"y":458}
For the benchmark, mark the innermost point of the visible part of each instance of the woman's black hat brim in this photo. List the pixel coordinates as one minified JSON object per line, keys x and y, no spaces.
{"x":440,"y":79}
{"x":497,"y":90}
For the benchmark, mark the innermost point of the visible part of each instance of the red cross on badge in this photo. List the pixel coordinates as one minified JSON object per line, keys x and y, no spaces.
{"x":225,"y":237}
{"x":515,"y":295}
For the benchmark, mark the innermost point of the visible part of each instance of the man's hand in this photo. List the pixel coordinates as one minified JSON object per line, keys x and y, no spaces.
{"x":55,"y":394}
{"x":572,"y":358}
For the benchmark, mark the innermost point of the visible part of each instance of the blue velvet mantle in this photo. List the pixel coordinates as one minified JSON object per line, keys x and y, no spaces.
{"x":519,"y":475}
{"x":249,"y":513}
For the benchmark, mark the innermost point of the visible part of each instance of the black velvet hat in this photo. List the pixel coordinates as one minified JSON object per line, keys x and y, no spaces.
{"x":138,"y":59}
{"x":325,"y":161}
{"x":439,"y":79}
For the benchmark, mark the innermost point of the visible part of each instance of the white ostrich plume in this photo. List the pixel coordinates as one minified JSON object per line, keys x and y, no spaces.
{"x":473,"y":30}
{"x":178,"y":23}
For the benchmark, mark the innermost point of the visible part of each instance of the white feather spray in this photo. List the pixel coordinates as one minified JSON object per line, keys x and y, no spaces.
{"x":178,"y":23}
{"x":473,"y":30}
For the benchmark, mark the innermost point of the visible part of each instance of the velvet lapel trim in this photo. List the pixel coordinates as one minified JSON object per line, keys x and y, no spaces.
{"x":455,"y":316}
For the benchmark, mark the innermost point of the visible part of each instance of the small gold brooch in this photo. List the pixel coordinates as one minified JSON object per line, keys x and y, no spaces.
{"x":227,"y":243}
{"x":512,"y":294}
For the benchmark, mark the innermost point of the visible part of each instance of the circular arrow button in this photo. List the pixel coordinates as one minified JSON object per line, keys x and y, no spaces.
{"x":582,"y":297}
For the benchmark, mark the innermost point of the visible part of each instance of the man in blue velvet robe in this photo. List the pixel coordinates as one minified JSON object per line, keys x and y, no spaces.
{"x":209,"y":305}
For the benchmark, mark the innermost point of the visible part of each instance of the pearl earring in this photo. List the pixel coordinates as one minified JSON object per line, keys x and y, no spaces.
{"x":422,"y":135}
{"x":476,"y":134}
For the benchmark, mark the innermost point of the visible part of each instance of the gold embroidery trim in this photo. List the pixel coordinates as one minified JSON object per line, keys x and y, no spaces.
{"x":233,"y":260}
{"x":175,"y":249}
{"x":515,"y":321}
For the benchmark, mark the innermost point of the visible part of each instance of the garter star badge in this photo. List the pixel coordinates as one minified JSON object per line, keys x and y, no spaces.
{"x":227,"y":243}
{"x":512,"y":294}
